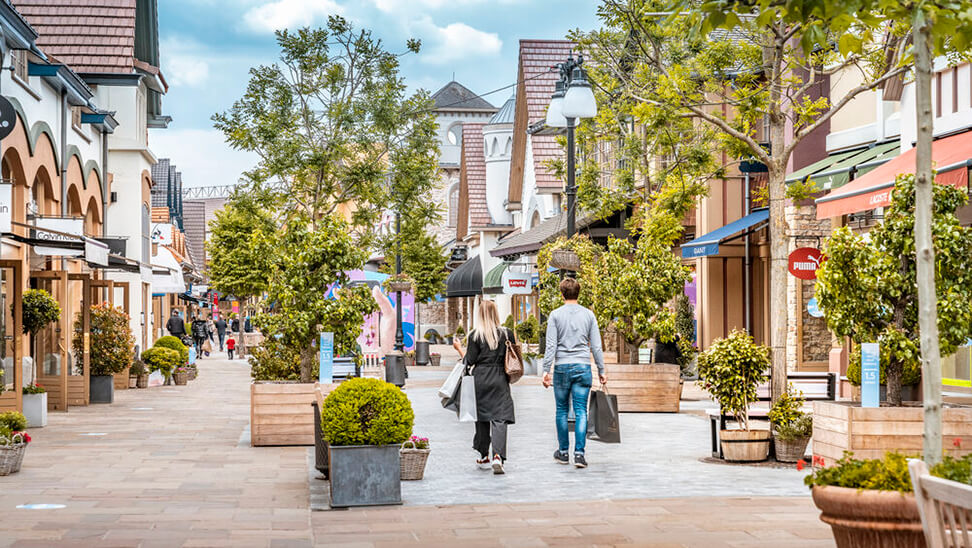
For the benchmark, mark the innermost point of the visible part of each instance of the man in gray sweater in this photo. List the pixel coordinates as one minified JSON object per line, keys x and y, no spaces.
{"x":572,"y":338}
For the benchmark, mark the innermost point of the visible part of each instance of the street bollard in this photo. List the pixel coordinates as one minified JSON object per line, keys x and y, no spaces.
{"x":395,"y":368}
{"x":422,"y":353}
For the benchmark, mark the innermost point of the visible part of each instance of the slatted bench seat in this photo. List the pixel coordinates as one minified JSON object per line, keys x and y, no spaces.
{"x":815,"y":386}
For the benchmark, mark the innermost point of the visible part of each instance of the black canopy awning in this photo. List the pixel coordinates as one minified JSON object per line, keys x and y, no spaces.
{"x":467,"y":280}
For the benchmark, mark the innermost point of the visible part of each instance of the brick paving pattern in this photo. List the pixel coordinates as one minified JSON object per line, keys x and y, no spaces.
{"x":174,"y":468}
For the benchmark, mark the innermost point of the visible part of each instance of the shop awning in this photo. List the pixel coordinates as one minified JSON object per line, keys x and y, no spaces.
{"x":835,"y":171}
{"x":709,"y":244}
{"x":950,"y":155}
{"x":167,"y":274}
{"x":466,"y":281}
{"x":493,"y":282}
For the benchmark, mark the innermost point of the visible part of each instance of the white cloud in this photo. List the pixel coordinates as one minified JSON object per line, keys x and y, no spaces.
{"x":285,"y":14}
{"x":202,"y":156}
{"x":186,"y":70}
{"x":454,"y":41}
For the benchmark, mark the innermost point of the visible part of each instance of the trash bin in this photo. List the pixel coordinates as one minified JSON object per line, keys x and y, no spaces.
{"x":422,"y":353}
{"x":395,"y":368}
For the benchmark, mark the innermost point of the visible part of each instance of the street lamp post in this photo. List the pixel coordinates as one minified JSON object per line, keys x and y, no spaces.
{"x":399,"y":332}
{"x":572,"y":100}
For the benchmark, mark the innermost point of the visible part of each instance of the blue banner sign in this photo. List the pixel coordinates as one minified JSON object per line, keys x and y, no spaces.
{"x":327,"y":358}
{"x":870,"y":375}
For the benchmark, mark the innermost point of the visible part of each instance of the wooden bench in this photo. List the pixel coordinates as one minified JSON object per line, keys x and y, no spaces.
{"x":945,"y":508}
{"x":815,"y":387}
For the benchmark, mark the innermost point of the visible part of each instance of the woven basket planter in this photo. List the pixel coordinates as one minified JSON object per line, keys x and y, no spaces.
{"x":565,"y":259}
{"x":180,"y":378}
{"x":435,"y":360}
{"x":11,"y":457}
{"x":790,"y":450}
{"x":142,"y":381}
{"x":133,"y":381}
{"x":404,"y":287}
{"x":413,"y":461}
{"x":193,"y":373}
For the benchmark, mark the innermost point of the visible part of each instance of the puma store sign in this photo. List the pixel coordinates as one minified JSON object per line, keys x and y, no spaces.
{"x":804,"y":262}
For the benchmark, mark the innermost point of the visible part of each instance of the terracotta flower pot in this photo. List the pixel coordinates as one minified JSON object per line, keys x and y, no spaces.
{"x":745,"y":445}
{"x":866,"y":518}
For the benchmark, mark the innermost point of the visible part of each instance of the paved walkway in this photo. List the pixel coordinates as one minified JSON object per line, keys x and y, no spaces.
{"x":170,"y":466}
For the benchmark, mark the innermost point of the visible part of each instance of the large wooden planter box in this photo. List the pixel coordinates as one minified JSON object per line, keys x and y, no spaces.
{"x":281,"y":413}
{"x":651,"y":388}
{"x":121,"y":380}
{"x":871,"y":432}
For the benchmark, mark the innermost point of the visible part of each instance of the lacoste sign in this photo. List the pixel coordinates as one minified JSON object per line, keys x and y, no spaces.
{"x":804,"y":262}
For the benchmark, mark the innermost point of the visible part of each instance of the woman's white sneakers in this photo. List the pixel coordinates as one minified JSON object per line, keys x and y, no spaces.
{"x":498,"y":465}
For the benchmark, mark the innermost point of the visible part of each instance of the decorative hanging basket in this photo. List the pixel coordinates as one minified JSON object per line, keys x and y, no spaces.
{"x":413,"y":461}
{"x":403,"y":286}
{"x":565,"y":259}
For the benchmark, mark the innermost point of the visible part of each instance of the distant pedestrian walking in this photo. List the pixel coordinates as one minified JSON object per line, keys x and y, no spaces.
{"x":220,"y":331}
{"x":572,"y":337}
{"x":230,"y":346}
{"x":176,"y":326}
{"x":486,"y":359}
{"x":200,"y":332}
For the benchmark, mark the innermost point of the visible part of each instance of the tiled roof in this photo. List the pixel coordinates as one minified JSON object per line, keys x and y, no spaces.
{"x":536,"y":59}
{"x":91,"y":36}
{"x":532,"y":240}
{"x":160,"y":183}
{"x":194,"y":224}
{"x":455,"y":96}
{"x":474,"y":174}
{"x":506,"y":112}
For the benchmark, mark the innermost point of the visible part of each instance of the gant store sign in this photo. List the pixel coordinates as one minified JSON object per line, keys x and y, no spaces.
{"x":804,"y":262}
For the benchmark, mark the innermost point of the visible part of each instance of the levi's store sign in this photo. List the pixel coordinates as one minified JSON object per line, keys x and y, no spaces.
{"x":516,"y":283}
{"x":804,"y":262}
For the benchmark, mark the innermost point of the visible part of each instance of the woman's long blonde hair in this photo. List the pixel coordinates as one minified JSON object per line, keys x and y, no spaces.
{"x":487,"y":324}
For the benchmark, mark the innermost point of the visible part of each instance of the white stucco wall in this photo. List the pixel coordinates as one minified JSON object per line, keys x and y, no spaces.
{"x":948,"y":121}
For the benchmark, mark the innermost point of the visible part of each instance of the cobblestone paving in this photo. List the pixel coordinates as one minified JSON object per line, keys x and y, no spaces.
{"x":173,"y":469}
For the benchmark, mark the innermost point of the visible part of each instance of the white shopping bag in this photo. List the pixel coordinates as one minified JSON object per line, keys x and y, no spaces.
{"x":467,"y":399}
{"x":452,"y":381}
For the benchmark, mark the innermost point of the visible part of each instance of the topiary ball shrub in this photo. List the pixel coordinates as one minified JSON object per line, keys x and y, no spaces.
{"x":366,"y":412}
{"x":163,"y":359}
{"x":173,"y":343}
{"x":16,"y":421}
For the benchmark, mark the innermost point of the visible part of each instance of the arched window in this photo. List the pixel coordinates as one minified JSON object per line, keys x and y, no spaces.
{"x":509,"y":146}
{"x":495,"y":147}
{"x":535,"y":220}
{"x":453,"y":204}
{"x":454,"y":134}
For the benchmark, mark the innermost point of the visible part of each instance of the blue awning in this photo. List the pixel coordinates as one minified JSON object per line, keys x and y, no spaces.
{"x":709,"y":244}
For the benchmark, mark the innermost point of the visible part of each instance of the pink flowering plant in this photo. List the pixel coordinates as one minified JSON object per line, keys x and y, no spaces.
{"x":420,"y":443}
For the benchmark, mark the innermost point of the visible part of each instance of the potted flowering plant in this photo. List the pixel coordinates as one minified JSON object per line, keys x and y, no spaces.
{"x":871,"y":502}
{"x":792,"y":427}
{"x":35,"y":405}
{"x":138,"y":375}
{"x":181,"y":375}
{"x":435,"y":359}
{"x":13,"y":442}
{"x":414,"y":454}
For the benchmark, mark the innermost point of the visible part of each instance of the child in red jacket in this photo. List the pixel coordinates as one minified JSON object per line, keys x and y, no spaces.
{"x":230,"y":346}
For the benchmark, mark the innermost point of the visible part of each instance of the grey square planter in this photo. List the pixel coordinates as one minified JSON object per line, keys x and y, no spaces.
{"x":102,"y":389}
{"x":364,"y":475}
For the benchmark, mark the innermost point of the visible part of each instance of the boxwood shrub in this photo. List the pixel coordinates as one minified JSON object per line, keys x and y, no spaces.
{"x":174,"y":343}
{"x":366,"y":412}
{"x":163,"y":359}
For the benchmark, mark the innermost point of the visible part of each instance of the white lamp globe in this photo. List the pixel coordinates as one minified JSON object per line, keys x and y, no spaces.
{"x":579,"y":100}
{"x":555,"y":114}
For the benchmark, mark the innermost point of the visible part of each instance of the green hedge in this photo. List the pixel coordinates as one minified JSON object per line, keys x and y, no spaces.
{"x":366,"y":412}
{"x":163,"y":359}
{"x":173,"y":343}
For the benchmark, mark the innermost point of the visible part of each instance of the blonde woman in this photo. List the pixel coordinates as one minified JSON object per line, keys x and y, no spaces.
{"x":486,"y":358}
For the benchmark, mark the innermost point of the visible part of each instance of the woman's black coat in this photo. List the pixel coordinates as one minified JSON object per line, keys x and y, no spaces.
{"x":493,"y":399}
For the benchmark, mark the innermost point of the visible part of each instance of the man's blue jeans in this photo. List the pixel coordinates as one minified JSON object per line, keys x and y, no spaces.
{"x":572,"y":383}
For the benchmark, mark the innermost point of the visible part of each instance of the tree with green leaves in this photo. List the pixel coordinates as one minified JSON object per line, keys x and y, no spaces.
{"x":738,"y":73}
{"x":335,"y":129}
{"x":312,"y":258}
{"x":238,"y":261}
{"x":868,"y":287}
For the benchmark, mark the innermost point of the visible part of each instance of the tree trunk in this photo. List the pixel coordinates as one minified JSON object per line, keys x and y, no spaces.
{"x":632,"y":349}
{"x":779,"y":312}
{"x":892,"y":380}
{"x":927,"y":295}
{"x":307,"y":355}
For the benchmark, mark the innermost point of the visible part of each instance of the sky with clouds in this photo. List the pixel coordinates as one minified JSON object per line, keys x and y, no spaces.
{"x":208,"y":47}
